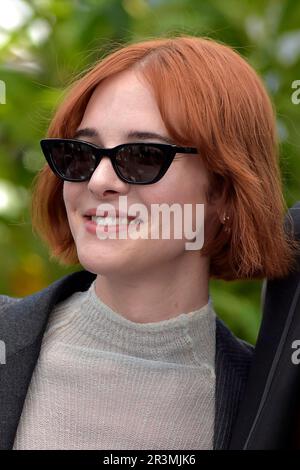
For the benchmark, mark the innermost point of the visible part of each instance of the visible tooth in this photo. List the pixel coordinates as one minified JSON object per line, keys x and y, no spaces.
{"x":136,"y":221}
{"x":110,"y":220}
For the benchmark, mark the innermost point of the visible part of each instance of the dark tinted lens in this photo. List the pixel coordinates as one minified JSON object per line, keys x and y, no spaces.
{"x":73,"y":160}
{"x":139,"y":163}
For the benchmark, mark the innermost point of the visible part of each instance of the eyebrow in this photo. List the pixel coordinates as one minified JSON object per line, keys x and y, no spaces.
{"x":143,"y":135}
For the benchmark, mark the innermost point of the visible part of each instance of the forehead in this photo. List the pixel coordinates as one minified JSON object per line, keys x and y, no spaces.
{"x":121,"y":103}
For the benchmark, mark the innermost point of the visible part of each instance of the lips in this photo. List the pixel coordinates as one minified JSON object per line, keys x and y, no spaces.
{"x":93,"y":212}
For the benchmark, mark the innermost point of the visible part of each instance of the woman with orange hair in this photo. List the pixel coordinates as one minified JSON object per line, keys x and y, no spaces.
{"x":128,"y":353}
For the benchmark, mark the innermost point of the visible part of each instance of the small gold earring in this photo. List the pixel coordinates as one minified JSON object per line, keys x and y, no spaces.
{"x":225,"y":218}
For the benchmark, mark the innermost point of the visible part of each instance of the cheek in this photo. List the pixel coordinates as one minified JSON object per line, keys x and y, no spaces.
{"x":185,"y":186}
{"x":71,"y":193}
{"x":71,"y":197}
{"x":66,"y":194}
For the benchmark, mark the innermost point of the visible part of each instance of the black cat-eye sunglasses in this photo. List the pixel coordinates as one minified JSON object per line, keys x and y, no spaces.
{"x":135,"y":163}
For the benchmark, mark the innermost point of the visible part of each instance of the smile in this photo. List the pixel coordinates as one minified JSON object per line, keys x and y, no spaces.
{"x":111,"y":221}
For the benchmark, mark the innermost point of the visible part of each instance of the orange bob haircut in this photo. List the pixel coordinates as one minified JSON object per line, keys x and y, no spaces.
{"x":210,"y":98}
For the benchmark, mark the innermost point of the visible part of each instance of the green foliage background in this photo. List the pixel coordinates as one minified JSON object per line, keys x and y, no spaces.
{"x":58,"y":39}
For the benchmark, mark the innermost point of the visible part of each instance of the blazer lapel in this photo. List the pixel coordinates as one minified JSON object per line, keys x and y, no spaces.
{"x":233,"y":359}
{"x":22,"y":328}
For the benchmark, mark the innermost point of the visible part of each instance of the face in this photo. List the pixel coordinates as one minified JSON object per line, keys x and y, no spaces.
{"x":119,"y":105}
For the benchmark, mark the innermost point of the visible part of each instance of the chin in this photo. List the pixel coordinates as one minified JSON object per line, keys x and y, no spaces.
{"x":102,"y":263}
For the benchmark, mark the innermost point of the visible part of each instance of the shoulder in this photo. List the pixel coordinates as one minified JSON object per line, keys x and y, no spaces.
{"x":228,"y":339}
{"x":23,"y":320}
{"x":48,"y":297}
{"x":6,"y":301}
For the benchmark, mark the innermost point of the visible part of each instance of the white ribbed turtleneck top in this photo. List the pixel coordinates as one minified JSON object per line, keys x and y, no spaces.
{"x":104,"y":382}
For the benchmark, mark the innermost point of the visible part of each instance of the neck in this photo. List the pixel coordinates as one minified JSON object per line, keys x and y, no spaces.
{"x":158,"y":294}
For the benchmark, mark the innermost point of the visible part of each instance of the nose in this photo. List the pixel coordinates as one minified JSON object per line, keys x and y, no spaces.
{"x":105,"y":180}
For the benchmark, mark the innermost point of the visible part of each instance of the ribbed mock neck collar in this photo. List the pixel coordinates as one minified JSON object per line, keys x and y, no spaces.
{"x":188,"y":338}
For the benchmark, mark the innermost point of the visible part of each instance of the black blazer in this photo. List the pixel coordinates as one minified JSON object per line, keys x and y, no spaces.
{"x":269,"y":417}
{"x":22,"y":325}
